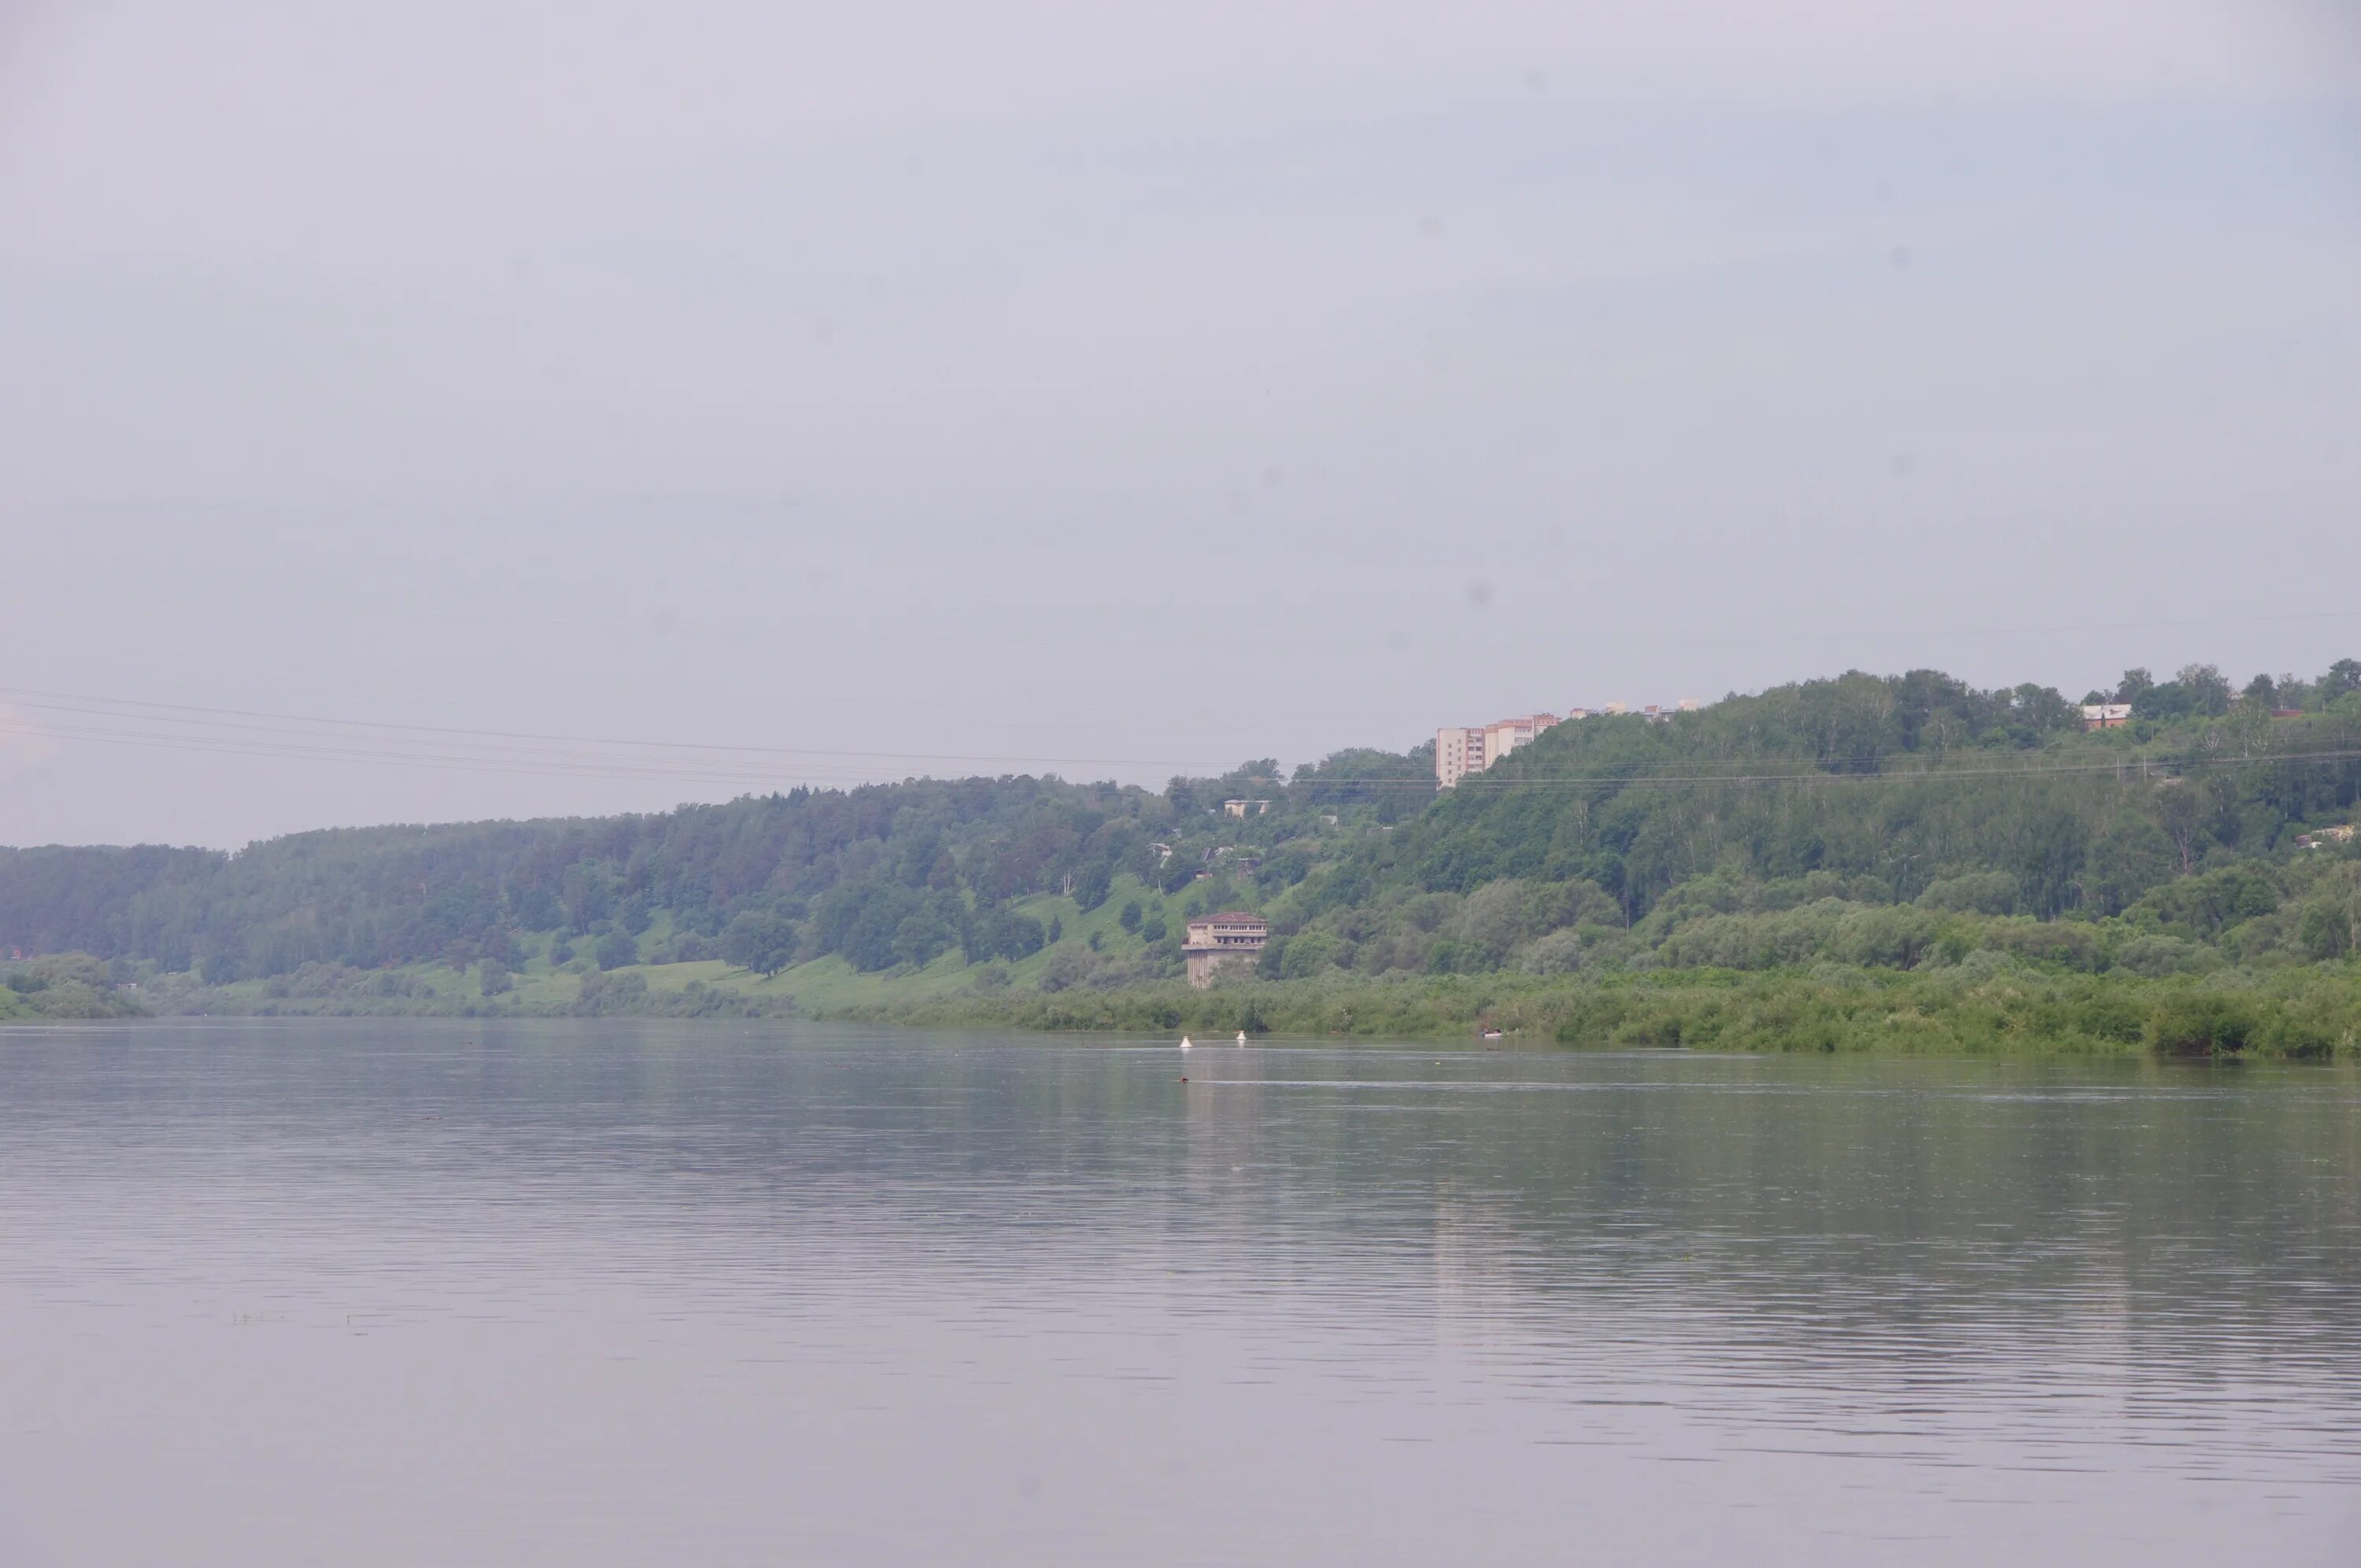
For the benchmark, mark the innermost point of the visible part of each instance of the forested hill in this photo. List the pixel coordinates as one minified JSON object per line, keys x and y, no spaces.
{"x":1863,"y":820}
{"x":1893,"y":786}
{"x":405,"y":894}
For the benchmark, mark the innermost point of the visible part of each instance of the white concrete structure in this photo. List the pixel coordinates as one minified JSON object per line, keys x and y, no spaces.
{"x":1507,"y":734}
{"x":1217,"y":941}
{"x":1454,"y":748}
{"x":1460,"y":750}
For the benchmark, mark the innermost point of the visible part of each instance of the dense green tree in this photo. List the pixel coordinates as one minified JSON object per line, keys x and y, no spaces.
{"x":499,"y":943}
{"x":1285,"y":869}
{"x":2132,"y":856}
{"x":588,"y":892}
{"x":1387,"y":787}
{"x":616,"y":949}
{"x":926,"y":935}
{"x":762,"y":940}
{"x":1306,"y":955}
{"x":2209,"y":691}
{"x":1004,"y":934}
{"x":871,"y":936}
{"x":535,"y":909}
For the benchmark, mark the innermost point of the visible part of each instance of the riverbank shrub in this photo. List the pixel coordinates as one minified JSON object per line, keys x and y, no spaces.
{"x":1991,"y":1005}
{"x":1830,"y":1008}
{"x":2199,"y":1024}
{"x":64,"y":985}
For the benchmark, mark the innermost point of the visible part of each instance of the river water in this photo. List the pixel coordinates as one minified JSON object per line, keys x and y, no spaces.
{"x":588,"y":1293}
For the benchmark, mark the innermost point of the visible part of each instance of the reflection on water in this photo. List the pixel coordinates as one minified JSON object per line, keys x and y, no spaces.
{"x":565,"y":1293}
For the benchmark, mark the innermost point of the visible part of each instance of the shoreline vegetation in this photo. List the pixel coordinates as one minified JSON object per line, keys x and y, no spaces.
{"x":1890,"y":864}
{"x":1970,"y":1009}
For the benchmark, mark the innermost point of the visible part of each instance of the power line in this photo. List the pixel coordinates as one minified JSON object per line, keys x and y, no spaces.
{"x":562,"y":765}
{"x":232,"y":746}
{"x":260,"y":733}
{"x":551,"y":765}
{"x":107,"y":706}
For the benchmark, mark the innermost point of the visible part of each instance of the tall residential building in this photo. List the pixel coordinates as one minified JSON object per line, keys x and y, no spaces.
{"x":1460,"y":750}
{"x":1507,"y":734}
{"x":1457,"y":750}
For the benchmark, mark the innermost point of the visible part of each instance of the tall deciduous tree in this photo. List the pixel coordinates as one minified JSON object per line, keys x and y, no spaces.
{"x":762,"y":940}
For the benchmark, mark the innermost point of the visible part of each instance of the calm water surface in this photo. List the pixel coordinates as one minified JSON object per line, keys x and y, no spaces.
{"x":408,"y":1293}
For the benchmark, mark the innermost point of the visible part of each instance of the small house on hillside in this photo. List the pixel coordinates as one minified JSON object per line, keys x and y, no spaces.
{"x":2106,"y":715}
{"x":1218,"y":941}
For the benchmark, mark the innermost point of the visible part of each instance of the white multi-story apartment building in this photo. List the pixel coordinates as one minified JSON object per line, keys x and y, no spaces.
{"x":1460,"y":750}
{"x":1470,"y":748}
{"x":1454,"y":748}
{"x":1507,"y":734}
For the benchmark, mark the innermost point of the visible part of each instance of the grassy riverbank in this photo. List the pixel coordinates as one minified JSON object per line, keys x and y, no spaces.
{"x":2307,"y":1014}
{"x":2309,"y":1010}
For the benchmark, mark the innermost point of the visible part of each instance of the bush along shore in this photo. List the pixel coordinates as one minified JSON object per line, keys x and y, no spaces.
{"x":65,"y":985}
{"x":2298,"y":1015}
{"x":2290,"y":1012}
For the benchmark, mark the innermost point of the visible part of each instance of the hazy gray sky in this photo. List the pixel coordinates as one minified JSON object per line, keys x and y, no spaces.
{"x":1126,"y":388}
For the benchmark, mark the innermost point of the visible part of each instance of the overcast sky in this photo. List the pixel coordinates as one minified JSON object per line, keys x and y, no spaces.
{"x":1125,"y":389}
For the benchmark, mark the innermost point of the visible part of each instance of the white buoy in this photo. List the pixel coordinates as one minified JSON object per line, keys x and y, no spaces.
{"x":1242,"y":1037}
{"x":1184,"y":1042}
